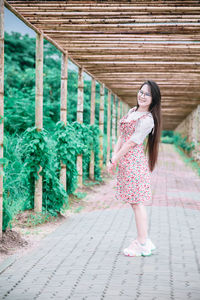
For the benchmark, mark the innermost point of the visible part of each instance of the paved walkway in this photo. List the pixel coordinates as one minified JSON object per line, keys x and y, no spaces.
{"x":83,"y":258}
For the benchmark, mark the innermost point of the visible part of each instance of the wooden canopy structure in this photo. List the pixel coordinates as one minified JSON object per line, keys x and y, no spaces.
{"x":123,"y":43}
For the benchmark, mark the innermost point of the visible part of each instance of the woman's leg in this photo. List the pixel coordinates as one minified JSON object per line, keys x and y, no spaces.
{"x":141,"y":221}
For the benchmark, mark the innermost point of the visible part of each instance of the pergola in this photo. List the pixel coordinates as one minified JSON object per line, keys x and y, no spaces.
{"x":122,"y":43}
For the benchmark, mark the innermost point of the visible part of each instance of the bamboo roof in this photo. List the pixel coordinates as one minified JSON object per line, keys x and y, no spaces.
{"x":123,"y":43}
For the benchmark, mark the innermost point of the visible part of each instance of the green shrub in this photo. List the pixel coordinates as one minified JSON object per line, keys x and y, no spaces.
{"x":25,"y":153}
{"x":182,"y":143}
{"x":170,"y":137}
{"x":169,"y":133}
{"x":167,"y":140}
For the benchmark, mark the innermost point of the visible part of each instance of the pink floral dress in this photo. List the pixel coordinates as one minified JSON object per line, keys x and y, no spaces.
{"x":134,"y":175}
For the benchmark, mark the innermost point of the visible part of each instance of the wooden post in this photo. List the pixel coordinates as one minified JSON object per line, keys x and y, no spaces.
{"x":118,"y":117}
{"x":63,"y":108}
{"x":80,"y":120}
{"x":113,"y":123}
{"x":121,"y":112}
{"x":127,"y":108}
{"x":108,"y":125}
{"x":123,"y":109}
{"x":92,"y":121}
{"x":101,"y":123}
{"x":198,"y":125}
{"x":198,"y":132}
{"x":39,"y":113}
{"x":1,"y":108}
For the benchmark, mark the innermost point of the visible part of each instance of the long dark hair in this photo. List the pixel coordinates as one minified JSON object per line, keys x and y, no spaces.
{"x":153,"y":140}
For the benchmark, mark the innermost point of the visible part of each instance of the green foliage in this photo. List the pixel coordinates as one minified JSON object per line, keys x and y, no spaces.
{"x":19,"y":85}
{"x":80,"y":195}
{"x":168,"y":133}
{"x":20,"y":50}
{"x":38,"y":149}
{"x":182,"y":143}
{"x":24,"y":154}
{"x":78,"y":209}
{"x":67,"y":149}
{"x":96,"y":148}
{"x":171,"y":137}
{"x":167,"y":139}
{"x":188,"y":160}
{"x":16,"y":184}
{"x":25,"y":148}
{"x":38,"y":218}
{"x":76,"y":139}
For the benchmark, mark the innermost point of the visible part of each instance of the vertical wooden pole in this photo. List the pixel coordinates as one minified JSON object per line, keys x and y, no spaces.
{"x":39,"y":113}
{"x":92,"y":121}
{"x":80,"y":120}
{"x":108,"y":125}
{"x":1,"y":108}
{"x":113,"y":123}
{"x":118,"y":117}
{"x":121,"y":112}
{"x":63,"y":108}
{"x":123,"y":108}
{"x":101,"y":123}
{"x":126,"y":108}
{"x":198,"y":125}
{"x":198,"y":133}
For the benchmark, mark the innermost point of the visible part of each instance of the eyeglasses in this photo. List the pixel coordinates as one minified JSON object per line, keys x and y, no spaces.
{"x":144,"y":94}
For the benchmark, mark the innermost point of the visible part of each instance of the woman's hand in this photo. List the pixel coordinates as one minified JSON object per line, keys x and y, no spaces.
{"x":114,"y":159}
{"x":111,"y":167}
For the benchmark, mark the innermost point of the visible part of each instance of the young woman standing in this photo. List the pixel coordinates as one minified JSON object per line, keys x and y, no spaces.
{"x":134,"y":169}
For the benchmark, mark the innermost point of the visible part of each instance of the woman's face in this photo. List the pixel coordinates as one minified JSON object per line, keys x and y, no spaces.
{"x":144,"y":98}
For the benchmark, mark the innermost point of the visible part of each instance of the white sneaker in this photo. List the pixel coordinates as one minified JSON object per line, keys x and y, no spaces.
{"x":136,"y":249}
{"x":150,"y":245}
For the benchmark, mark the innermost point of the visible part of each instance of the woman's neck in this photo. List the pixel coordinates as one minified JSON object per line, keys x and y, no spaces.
{"x":139,"y":109}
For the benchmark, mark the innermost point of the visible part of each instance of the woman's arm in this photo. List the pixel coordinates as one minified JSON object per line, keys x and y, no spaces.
{"x":117,"y":146}
{"x":124,"y":149}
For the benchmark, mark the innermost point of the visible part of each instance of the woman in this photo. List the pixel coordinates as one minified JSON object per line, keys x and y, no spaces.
{"x":134,"y":169}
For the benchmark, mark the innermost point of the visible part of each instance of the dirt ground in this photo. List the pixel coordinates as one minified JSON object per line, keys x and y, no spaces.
{"x":25,"y":235}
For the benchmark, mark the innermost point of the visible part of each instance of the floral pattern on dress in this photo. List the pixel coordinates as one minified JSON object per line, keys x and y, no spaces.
{"x":134,"y":175}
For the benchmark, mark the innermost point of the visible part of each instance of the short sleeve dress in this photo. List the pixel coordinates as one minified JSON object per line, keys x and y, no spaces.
{"x":134,"y":175}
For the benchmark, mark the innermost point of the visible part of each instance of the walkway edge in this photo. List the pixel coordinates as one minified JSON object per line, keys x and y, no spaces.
{"x":8,"y":262}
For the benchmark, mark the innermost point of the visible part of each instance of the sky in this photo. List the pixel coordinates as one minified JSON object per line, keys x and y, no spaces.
{"x":12,"y":23}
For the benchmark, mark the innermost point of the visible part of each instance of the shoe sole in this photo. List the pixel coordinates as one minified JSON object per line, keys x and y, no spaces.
{"x":132,"y":255}
{"x":142,"y":254}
